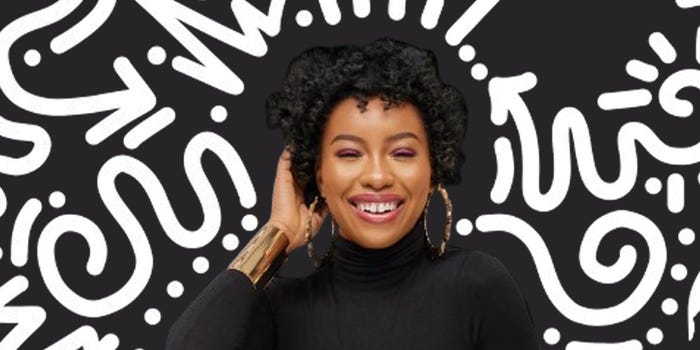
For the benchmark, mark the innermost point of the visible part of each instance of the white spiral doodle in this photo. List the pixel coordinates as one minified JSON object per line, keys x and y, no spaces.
{"x":506,"y":100}
{"x":35,"y":158}
{"x":159,"y":199}
{"x":587,"y":258}
{"x":97,"y":258}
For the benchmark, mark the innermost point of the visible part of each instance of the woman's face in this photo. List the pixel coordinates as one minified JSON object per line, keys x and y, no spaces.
{"x":374,"y":170}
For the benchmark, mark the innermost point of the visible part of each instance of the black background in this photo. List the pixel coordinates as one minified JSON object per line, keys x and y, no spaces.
{"x":578,"y":50}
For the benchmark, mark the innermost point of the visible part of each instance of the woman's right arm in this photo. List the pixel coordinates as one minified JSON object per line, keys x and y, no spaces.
{"x":233,"y":311}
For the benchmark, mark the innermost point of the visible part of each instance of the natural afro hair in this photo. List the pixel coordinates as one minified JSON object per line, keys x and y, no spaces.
{"x":319,"y":78}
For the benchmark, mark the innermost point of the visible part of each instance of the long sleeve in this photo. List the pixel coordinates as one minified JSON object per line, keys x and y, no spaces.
{"x":502,"y":317}
{"x":228,"y":314}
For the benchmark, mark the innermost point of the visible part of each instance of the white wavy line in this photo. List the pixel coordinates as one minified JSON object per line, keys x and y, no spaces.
{"x":85,"y":28}
{"x":505,"y":170}
{"x":35,"y":158}
{"x":587,"y":257}
{"x":431,"y":13}
{"x":506,"y":101}
{"x":21,"y":231}
{"x":200,"y":237}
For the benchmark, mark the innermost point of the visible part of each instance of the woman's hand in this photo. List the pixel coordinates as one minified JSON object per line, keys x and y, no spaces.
{"x":288,"y":209}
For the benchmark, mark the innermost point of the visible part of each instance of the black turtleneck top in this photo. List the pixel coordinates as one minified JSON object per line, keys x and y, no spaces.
{"x":391,"y":298}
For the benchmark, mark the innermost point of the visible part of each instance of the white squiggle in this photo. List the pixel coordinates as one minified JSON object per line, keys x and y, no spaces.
{"x":208,"y":68}
{"x":331,"y":11}
{"x":24,"y":132}
{"x":136,"y":99}
{"x":505,"y":170}
{"x":27,"y":318}
{"x":397,"y":9}
{"x":83,"y":29}
{"x":662,"y":47}
{"x":97,"y":258}
{"x":86,"y":338}
{"x":624,"y":99}
{"x":361,"y":8}
{"x":159,"y":199}
{"x":3,"y":202}
{"x":626,"y":345}
{"x":20,"y":232}
{"x":506,"y":100}
{"x":587,"y":257}
{"x":670,"y":88}
{"x":431,"y":13}
{"x":468,"y":21}
{"x":642,"y":71}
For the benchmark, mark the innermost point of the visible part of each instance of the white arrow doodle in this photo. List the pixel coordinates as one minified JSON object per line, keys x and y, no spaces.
{"x":506,"y":100}
{"x":27,"y":318}
{"x":128,"y":104}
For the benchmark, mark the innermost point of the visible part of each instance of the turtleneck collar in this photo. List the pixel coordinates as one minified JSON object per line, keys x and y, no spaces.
{"x":363,"y":268}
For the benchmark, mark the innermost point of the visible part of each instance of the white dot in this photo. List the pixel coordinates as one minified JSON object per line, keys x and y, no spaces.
{"x":200,"y":264}
{"x":249,"y":222}
{"x":464,"y":227}
{"x":679,"y":272}
{"x":32,"y":58}
{"x":218,"y":113}
{"x":669,"y":306}
{"x":552,"y":336}
{"x":175,"y":289}
{"x":152,"y":316}
{"x":304,"y":18}
{"x":57,"y":199}
{"x":653,"y":185}
{"x":686,"y":236}
{"x":156,"y":55}
{"x":479,"y":71}
{"x":109,"y":341}
{"x":230,"y":242}
{"x":655,"y":336}
{"x":466,"y":53}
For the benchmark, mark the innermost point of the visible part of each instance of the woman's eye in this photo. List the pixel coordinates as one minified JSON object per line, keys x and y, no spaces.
{"x":348,"y":153}
{"x":403,"y":153}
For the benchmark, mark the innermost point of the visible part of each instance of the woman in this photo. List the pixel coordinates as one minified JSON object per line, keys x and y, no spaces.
{"x":371,"y":132}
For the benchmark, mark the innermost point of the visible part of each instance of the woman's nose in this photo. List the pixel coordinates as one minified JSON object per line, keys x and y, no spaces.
{"x":377,"y":174}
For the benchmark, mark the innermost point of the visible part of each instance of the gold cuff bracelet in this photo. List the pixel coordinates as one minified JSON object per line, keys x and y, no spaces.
{"x":262,"y":256}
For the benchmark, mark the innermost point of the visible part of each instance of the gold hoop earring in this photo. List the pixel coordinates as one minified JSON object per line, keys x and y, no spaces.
{"x":318,"y":261}
{"x":439,"y":250}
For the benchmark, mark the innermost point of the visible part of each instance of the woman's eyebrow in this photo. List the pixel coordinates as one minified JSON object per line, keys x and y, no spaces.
{"x":347,"y":137}
{"x":402,"y":135}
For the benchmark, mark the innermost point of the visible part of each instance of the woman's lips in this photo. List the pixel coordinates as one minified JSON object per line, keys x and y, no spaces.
{"x":376,"y":218}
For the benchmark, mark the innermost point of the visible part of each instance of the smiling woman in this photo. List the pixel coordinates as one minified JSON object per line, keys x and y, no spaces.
{"x":371,"y":131}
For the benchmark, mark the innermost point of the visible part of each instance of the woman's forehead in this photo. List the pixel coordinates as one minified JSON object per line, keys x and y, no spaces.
{"x":374,"y":122}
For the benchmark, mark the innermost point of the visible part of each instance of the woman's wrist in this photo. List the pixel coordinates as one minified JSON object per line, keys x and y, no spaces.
{"x":263,"y":255}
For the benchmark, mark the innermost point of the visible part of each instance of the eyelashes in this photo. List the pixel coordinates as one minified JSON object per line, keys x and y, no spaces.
{"x":399,"y":153}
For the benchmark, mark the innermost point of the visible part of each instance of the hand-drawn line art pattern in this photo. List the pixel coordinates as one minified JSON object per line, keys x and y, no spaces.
{"x":123,"y":107}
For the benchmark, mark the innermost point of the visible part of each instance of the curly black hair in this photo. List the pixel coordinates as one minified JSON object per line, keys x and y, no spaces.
{"x":321,"y":77}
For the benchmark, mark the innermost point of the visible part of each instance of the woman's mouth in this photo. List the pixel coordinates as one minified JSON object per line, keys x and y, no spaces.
{"x":377,"y":208}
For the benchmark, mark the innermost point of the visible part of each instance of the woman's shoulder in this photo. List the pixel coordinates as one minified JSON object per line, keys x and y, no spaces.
{"x":474,"y":269}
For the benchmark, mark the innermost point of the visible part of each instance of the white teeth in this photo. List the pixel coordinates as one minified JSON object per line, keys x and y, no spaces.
{"x":374,"y":207}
